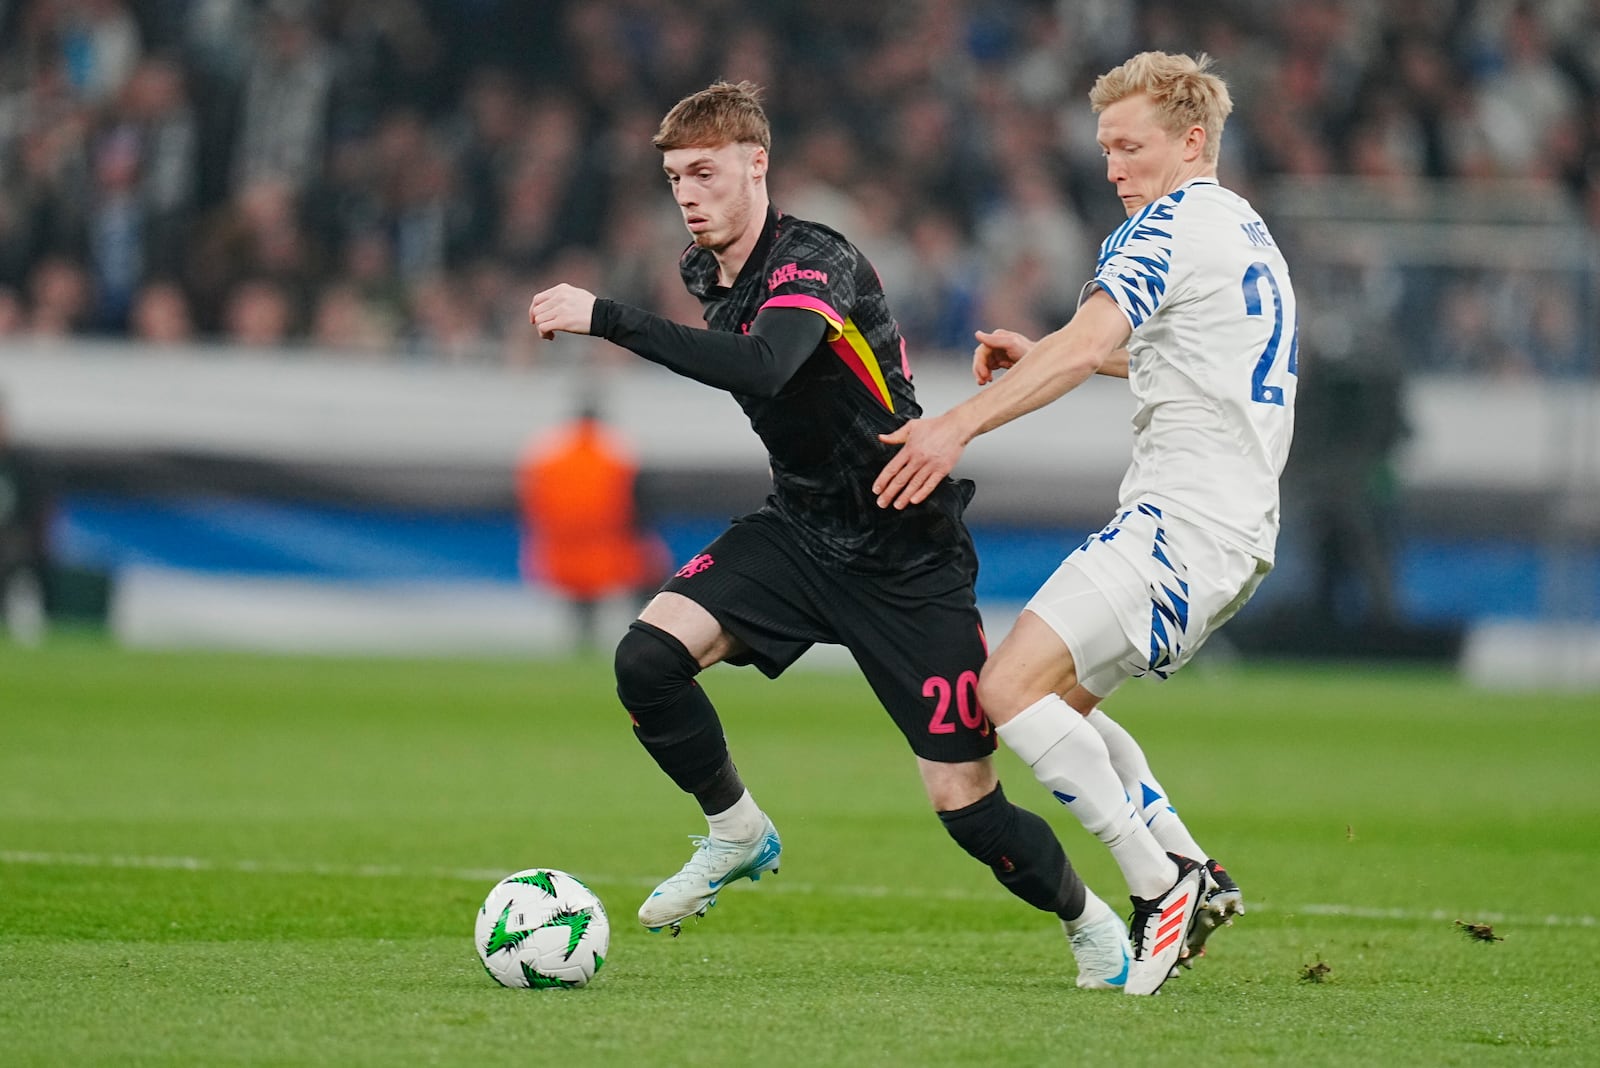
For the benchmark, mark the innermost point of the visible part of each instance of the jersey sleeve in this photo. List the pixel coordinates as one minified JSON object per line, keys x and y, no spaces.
{"x":815,"y":274}
{"x":759,"y":363}
{"x":1137,"y":267}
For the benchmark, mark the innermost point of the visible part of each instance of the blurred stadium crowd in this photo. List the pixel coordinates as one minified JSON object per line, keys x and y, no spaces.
{"x":395,"y":177}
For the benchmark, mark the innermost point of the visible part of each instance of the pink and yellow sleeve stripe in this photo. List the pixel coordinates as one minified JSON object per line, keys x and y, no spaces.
{"x":846,"y":342}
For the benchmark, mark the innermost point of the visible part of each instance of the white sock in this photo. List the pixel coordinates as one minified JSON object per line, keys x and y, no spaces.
{"x":1149,"y":796}
{"x":1068,"y":757}
{"x":1093,"y":910}
{"x":741,"y":823}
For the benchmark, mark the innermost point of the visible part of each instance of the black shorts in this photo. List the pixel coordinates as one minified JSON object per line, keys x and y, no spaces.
{"x":918,"y":637}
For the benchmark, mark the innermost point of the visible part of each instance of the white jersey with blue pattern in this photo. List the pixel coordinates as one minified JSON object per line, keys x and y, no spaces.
{"x":1212,"y":360}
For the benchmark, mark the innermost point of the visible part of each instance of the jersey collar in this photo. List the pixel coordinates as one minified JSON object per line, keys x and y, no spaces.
{"x":756,"y":264}
{"x":699,"y":267}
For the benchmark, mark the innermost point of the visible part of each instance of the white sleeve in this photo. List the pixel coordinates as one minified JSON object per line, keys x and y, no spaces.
{"x":1136,"y":266}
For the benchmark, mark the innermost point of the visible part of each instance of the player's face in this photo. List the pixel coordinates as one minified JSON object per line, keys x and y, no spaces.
{"x":1143,"y":160}
{"x":715,"y":189}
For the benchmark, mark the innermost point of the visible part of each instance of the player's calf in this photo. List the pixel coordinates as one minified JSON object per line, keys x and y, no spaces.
{"x":1021,"y":850}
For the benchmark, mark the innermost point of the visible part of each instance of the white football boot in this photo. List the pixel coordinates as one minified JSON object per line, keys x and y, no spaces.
{"x":715,"y":864}
{"x":1160,"y":929}
{"x":1101,"y":949}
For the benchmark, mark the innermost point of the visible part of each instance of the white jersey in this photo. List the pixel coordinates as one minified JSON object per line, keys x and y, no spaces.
{"x":1212,"y":360}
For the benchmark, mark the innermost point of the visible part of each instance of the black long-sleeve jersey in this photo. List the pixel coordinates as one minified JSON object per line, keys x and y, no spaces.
{"x":806,"y":343}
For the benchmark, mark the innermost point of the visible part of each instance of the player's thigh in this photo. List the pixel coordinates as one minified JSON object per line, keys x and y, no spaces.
{"x":1031,"y":662}
{"x":761,"y":590}
{"x":921,"y":656}
{"x":693,"y":625}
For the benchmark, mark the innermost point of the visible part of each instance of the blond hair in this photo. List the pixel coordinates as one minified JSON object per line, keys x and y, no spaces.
{"x":1182,"y":88}
{"x":723,"y":113}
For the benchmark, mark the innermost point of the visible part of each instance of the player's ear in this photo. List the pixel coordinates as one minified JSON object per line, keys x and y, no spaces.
{"x":758,"y":162}
{"x":1194,"y":143}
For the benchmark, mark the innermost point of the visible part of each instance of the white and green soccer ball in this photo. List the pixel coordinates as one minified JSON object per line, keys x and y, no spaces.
{"x":543,"y":929}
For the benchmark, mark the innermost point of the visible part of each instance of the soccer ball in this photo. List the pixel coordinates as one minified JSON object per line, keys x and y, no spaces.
{"x":543,"y":929}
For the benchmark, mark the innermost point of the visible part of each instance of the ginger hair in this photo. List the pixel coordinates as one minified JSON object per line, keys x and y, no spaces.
{"x":723,"y":113}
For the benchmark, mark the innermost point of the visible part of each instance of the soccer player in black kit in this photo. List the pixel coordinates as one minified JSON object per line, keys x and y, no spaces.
{"x":801,"y":334}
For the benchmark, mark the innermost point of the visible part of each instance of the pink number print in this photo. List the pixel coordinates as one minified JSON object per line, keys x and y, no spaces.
{"x":967,"y":702}
{"x":934,"y":686}
{"x":965,"y":693}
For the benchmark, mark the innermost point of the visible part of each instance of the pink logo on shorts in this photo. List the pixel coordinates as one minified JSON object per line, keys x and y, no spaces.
{"x":695,"y":566}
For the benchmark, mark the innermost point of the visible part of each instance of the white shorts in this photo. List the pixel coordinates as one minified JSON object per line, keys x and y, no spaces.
{"x":1142,"y":595}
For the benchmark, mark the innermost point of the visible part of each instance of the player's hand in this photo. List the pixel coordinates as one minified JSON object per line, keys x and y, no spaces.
{"x":561,"y":307}
{"x":996,"y":351}
{"x":930,"y":450}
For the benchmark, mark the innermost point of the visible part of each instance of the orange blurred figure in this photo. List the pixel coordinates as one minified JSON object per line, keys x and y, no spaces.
{"x":580,"y":527}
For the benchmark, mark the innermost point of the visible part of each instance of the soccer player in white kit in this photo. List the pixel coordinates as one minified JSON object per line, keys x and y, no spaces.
{"x":1190,"y":302}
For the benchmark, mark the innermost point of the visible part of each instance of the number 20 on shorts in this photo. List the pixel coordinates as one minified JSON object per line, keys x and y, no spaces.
{"x":963,"y":695}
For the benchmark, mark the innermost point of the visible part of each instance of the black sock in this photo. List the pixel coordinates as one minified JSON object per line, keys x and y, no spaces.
{"x":1022,"y":850}
{"x":673,"y":718}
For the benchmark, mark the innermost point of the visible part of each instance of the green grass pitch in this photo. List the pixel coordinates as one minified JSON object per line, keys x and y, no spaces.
{"x":240,"y":860}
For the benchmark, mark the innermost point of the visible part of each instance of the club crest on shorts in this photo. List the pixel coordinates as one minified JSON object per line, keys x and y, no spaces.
{"x":694,"y":567}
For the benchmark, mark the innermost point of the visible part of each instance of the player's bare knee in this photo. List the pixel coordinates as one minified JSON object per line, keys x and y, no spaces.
{"x":1002,"y":696}
{"x":1009,"y":684}
{"x":953,"y":786}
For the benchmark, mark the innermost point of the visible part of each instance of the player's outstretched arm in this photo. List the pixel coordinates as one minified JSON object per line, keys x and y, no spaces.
{"x":1056,"y":364}
{"x":759,"y":363}
{"x":999,"y":350}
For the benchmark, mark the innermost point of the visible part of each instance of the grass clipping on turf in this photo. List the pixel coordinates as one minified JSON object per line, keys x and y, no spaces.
{"x":1478,"y":932}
